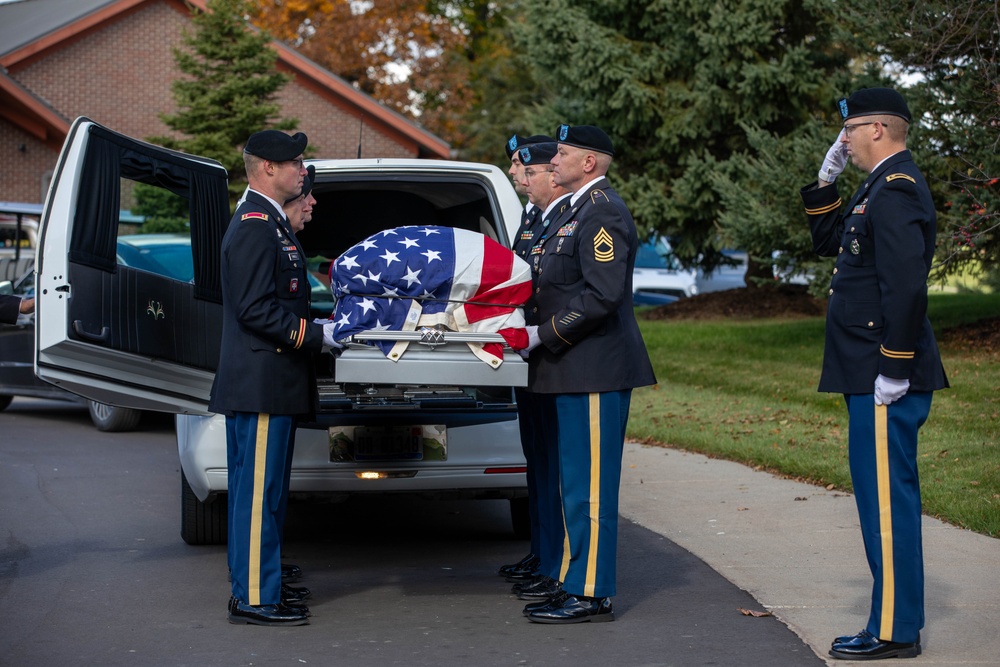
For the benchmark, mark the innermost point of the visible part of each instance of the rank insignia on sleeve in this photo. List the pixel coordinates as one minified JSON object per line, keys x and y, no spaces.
{"x":255,"y":215}
{"x":893,"y":177}
{"x":604,"y":246}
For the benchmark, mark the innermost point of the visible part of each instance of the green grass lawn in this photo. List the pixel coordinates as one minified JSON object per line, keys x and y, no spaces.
{"x":746,"y":391}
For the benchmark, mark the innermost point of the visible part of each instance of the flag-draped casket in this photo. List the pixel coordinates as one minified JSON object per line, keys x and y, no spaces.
{"x":407,"y":278}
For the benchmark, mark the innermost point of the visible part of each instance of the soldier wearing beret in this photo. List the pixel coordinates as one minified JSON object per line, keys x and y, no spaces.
{"x":531,"y":220}
{"x":531,"y":216}
{"x":585,"y":356}
{"x":264,"y":379}
{"x":880,"y":352}
{"x":544,"y":505}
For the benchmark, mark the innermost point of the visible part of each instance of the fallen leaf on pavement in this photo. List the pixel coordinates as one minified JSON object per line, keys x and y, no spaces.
{"x":755,"y":614}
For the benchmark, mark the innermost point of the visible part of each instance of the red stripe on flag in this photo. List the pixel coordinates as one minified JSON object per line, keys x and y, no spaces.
{"x":498,"y":264}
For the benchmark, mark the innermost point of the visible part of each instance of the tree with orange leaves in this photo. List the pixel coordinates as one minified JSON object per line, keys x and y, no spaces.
{"x":411,"y":55}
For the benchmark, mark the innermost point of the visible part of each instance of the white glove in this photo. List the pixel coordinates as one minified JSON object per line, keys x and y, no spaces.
{"x":533,"y":340}
{"x":888,"y":390}
{"x":835,"y":160}
{"x":328,"y":340}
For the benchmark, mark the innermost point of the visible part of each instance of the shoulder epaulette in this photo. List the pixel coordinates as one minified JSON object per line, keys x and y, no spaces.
{"x":254,"y":214}
{"x":892,"y":177}
{"x":597,"y":195}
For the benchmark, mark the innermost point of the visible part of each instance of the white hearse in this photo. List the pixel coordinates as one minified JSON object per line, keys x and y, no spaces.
{"x":438,"y":422}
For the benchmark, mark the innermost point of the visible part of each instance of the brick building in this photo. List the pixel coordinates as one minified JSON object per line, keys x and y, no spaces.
{"x":111,"y":61}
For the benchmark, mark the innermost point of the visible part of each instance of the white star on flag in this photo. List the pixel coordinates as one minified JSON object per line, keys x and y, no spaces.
{"x":452,"y":277}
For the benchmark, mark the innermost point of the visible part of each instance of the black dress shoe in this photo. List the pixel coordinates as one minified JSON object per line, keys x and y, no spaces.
{"x":540,"y":588}
{"x":556,"y":600}
{"x":527,"y":564}
{"x":865,"y":646}
{"x":574,"y":609}
{"x":300,"y":608}
{"x":265,"y":614}
{"x":294,"y":594}
{"x":290,"y":573}
{"x":860,"y":636}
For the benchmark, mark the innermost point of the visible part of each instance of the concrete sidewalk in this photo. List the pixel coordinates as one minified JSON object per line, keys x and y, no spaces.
{"x":797,"y":549}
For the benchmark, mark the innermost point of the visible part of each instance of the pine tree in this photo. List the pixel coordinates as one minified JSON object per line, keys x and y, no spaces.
{"x":229,"y":88}
{"x":682,"y":87}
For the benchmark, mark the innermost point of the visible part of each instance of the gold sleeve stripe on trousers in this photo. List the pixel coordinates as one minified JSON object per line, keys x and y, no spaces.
{"x":885,"y":519}
{"x":257,"y":509}
{"x":595,"y":493}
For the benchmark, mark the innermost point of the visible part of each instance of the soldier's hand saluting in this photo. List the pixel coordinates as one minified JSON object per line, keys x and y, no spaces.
{"x":834,"y":162}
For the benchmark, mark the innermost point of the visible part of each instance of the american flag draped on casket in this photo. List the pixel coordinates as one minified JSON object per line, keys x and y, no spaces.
{"x":406,"y":278}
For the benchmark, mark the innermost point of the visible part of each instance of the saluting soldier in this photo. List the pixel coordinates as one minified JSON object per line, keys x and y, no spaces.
{"x":585,"y":356}
{"x":264,"y":379}
{"x":880,"y":352}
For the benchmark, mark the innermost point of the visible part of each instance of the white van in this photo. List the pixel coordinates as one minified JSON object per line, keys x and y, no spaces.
{"x":130,"y":337}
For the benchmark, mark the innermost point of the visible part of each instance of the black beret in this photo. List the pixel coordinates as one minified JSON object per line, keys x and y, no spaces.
{"x":585,"y":136}
{"x":276,"y":146}
{"x":515,"y":142}
{"x":874,"y":101}
{"x":539,"y":139}
{"x":307,"y":183}
{"x":541,"y":153}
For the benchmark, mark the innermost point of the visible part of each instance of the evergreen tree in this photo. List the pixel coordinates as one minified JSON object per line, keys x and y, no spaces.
{"x":691,"y":92}
{"x":229,"y":89}
{"x":949,"y":49}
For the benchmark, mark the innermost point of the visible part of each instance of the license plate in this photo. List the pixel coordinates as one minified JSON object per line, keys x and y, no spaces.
{"x":388,"y":443}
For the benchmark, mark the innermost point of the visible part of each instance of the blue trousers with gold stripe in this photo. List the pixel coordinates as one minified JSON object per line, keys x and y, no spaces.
{"x":883,"y":457}
{"x":542,"y":457}
{"x":590,"y":433}
{"x":257,"y":449}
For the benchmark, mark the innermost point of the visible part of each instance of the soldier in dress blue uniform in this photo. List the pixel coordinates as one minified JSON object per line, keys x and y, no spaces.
{"x":264,"y":379}
{"x":585,"y":356}
{"x":544,"y":506}
{"x":880,"y":352}
{"x":526,"y":568}
{"x":531,"y":216}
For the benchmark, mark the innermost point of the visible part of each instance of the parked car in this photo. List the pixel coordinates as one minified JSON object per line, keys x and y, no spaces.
{"x":146,"y":341}
{"x":730,"y":274}
{"x":658,"y":277}
{"x":18,"y":242}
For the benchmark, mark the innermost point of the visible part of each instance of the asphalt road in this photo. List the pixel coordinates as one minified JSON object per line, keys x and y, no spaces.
{"x":93,"y":572}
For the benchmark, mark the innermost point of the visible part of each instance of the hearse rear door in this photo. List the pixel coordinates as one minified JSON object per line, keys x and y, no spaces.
{"x":115,"y":333}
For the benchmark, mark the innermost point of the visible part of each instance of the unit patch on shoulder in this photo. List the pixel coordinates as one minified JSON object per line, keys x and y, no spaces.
{"x":893,"y":177}
{"x":254,"y":214}
{"x":604,"y":246}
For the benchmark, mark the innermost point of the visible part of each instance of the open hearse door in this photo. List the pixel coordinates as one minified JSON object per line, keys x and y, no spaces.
{"x":109,"y":331}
